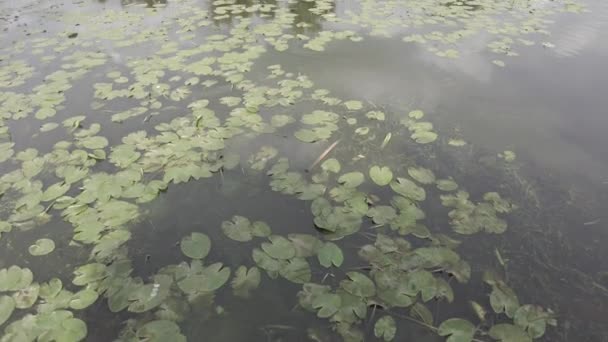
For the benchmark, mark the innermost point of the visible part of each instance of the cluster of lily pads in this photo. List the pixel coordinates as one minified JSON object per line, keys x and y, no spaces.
{"x":169,"y":117}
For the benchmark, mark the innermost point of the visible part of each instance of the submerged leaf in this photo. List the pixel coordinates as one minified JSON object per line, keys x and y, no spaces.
{"x":245,"y":280}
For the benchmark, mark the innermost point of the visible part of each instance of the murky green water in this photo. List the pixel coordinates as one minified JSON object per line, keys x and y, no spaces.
{"x":303,"y":171}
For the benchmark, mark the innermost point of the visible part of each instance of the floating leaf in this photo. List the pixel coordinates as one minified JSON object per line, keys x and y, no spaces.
{"x":509,"y":333}
{"x":424,"y":136}
{"x":26,"y":297}
{"x":458,"y":330}
{"x":409,"y":189}
{"x":15,"y":278}
{"x":279,"y":247}
{"x":351,"y":179}
{"x":330,"y":254}
{"x":42,"y":247}
{"x":296,"y":270}
{"x":331,"y":165}
{"x":416,"y":114}
{"x":385,"y":328}
{"x":358,"y":285}
{"x":160,"y":331}
{"x":196,"y":246}
{"x":239,"y":229}
{"x":533,"y":319}
{"x":245,"y":280}
{"x":421,"y":175}
{"x":7,"y":306}
{"x":375,"y":115}
{"x":446,"y":185}
{"x":353,"y":105}
{"x":327,"y":304}
{"x":381,"y":175}
{"x":83,"y":299}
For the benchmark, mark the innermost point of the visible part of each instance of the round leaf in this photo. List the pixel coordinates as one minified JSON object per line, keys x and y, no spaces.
{"x":458,"y":330}
{"x":42,"y":247}
{"x":385,"y":328}
{"x":330,"y":254}
{"x":7,"y":306}
{"x":196,"y":246}
{"x":381,"y":175}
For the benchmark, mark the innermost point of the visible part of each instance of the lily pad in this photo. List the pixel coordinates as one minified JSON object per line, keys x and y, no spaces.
{"x":509,"y":333}
{"x":15,"y":278}
{"x":351,"y":179}
{"x":7,"y":306}
{"x":196,"y":246}
{"x":279,"y":247}
{"x":385,"y":328}
{"x":296,"y":270}
{"x":239,"y":229}
{"x":160,"y":331}
{"x":26,"y":297}
{"x":446,"y":185}
{"x":458,"y":330}
{"x":381,"y":175}
{"x":327,"y":304}
{"x":331,"y":165}
{"x":42,"y":247}
{"x":330,"y":254}
{"x":533,"y":319}
{"x":421,"y":175}
{"x":408,"y":189}
{"x":358,"y":285}
{"x":83,"y":299}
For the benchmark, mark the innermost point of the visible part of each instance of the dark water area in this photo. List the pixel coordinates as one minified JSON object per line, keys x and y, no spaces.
{"x":425,"y":169}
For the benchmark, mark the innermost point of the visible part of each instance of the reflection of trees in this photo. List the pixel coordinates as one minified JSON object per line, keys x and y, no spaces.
{"x":149,"y":3}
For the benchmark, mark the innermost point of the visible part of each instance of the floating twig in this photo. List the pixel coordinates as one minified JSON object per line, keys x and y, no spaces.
{"x":323,"y":155}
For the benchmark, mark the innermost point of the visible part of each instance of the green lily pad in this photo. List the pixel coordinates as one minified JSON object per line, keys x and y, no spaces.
{"x":245,"y":280}
{"x":446,"y":185}
{"x":239,"y":229}
{"x":358,"y":285}
{"x":51,"y":289}
{"x":421,"y":175}
{"x":458,"y":330}
{"x":330,"y":254}
{"x":353,"y":105}
{"x":424,"y":137}
{"x":327,"y":304}
{"x":26,"y":297}
{"x":83,"y":299}
{"x":416,"y":114}
{"x":160,"y":331}
{"x":15,"y":278}
{"x":351,"y":179}
{"x":279,"y":247}
{"x":331,"y":165}
{"x":509,"y":333}
{"x":42,"y":247}
{"x":408,"y":189}
{"x":296,"y":270}
{"x":385,"y":328}
{"x":89,"y":273}
{"x":7,"y":306}
{"x":533,"y":319}
{"x":196,"y":246}
{"x":381,"y":175}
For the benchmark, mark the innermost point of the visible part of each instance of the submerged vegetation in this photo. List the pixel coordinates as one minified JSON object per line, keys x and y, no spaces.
{"x":107,"y":111}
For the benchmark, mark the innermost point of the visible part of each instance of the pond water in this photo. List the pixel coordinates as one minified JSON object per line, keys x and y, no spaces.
{"x":303,"y":170}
